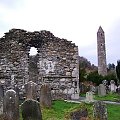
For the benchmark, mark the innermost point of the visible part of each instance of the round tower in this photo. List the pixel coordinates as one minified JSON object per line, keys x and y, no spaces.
{"x":102,"y":67}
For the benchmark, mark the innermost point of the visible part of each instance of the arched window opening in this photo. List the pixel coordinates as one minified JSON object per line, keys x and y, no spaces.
{"x":33,"y":51}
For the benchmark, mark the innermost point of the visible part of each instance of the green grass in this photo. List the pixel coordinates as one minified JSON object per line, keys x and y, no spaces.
{"x":113,"y":112}
{"x":109,"y":97}
{"x":57,"y":111}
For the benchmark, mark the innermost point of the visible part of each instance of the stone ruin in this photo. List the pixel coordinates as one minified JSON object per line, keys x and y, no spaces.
{"x":57,"y":60}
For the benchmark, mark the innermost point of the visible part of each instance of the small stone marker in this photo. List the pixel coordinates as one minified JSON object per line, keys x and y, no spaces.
{"x":31,"y":90}
{"x":31,"y":110}
{"x":101,"y":90}
{"x":11,"y":105}
{"x":89,"y":97}
{"x":45,"y":95}
{"x":100,"y":110}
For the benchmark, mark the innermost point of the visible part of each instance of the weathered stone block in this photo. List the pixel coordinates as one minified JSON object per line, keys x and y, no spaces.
{"x":45,"y":96}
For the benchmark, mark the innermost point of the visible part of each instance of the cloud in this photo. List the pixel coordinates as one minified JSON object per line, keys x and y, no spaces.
{"x":11,"y":4}
{"x":75,"y":20}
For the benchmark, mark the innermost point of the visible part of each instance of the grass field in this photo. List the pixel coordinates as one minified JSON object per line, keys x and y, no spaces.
{"x":113,"y":112}
{"x":109,"y":97}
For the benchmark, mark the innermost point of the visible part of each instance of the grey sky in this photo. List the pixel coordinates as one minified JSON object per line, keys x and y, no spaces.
{"x":74,"y":20}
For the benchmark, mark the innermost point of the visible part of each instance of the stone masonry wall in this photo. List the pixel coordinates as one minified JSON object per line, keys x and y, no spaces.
{"x":57,"y":58}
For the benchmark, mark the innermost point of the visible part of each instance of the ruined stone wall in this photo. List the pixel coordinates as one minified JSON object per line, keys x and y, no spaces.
{"x":13,"y":59}
{"x":57,"y":58}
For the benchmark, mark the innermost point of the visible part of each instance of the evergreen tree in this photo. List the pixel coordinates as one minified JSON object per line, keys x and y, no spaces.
{"x":118,"y":70}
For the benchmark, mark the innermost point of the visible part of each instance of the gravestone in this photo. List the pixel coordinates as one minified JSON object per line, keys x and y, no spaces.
{"x":112,"y":86}
{"x":31,"y":90}
{"x":118,"y":89}
{"x":92,"y":88}
{"x":79,"y":115}
{"x":11,"y":105}
{"x":31,"y":110}
{"x":105,"y":83}
{"x":1,"y":99}
{"x":45,"y":95}
{"x":101,"y":90}
{"x":82,"y":88}
{"x":100,"y":110}
{"x":89,"y":97}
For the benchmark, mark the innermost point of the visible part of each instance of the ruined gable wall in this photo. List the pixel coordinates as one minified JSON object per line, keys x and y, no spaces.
{"x":58,"y":59}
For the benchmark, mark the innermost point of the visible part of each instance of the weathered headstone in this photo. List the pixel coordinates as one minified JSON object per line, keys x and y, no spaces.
{"x":105,"y":83}
{"x":101,"y":90}
{"x":92,"y":88}
{"x":112,"y":86}
{"x":89,"y":97}
{"x":11,"y":105}
{"x":79,"y":115}
{"x":31,"y":90}
{"x":1,"y":99}
{"x":100,"y":110}
{"x":31,"y":110}
{"x":45,"y":95}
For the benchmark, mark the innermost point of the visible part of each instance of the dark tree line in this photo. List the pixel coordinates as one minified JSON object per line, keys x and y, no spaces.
{"x":118,"y":70}
{"x":88,"y":72}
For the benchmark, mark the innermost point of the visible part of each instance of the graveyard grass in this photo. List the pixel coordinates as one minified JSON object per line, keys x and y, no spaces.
{"x":109,"y":97}
{"x":61,"y":110}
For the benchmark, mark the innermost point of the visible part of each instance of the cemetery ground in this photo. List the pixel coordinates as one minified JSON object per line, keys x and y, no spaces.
{"x":61,"y":110}
{"x":113,"y":97}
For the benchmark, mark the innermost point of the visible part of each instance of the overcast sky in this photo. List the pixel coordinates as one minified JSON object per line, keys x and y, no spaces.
{"x":74,"y":20}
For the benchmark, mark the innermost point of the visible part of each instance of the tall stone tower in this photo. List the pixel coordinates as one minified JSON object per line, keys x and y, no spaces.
{"x":102,"y":67}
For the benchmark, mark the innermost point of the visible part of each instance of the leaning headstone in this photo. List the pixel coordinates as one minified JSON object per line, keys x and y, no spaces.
{"x":45,"y":95}
{"x":11,"y":105}
{"x":79,"y":115}
{"x":101,"y":90}
{"x":1,"y":99}
{"x":31,"y":110}
{"x":31,"y":90}
{"x":89,"y":97}
{"x":100,"y":111}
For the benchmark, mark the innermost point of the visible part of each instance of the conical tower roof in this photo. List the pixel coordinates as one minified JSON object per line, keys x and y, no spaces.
{"x":100,"y":30}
